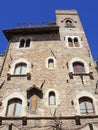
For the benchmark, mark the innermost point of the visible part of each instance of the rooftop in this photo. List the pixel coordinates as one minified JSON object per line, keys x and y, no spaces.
{"x":23,"y":29}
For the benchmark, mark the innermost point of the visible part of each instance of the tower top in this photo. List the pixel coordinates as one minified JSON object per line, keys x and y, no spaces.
{"x":67,"y":12}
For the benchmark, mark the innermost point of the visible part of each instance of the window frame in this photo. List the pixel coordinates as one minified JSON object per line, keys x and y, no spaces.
{"x":20,"y":69}
{"x":54,"y":63}
{"x":22,"y":43}
{"x":74,"y":44}
{"x":78,"y":67}
{"x":52,"y":93}
{"x":85,"y":101}
{"x":50,"y":63}
{"x":26,"y":43}
{"x":69,"y":23}
{"x":15,"y":102}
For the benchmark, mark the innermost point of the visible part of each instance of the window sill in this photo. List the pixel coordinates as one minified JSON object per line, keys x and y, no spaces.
{"x":28,"y":75}
{"x":52,"y":106}
{"x":24,"y":48}
{"x":73,"y":47}
{"x":70,"y":26}
{"x":90,"y":74}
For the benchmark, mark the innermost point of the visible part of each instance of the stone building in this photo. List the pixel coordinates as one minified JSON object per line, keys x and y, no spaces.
{"x":48,"y":79}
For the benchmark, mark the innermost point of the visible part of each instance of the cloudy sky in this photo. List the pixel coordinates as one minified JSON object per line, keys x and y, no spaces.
{"x":14,"y":12}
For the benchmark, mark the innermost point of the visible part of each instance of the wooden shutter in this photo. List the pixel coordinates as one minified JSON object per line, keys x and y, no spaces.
{"x":34,"y":101}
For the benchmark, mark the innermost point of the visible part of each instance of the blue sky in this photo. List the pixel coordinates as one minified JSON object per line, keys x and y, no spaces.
{"x":13,"y":12}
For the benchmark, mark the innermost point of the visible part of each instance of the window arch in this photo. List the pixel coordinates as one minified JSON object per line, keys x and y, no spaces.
{"x":14,"y":107}
{"x":52,"y":98}
{"x":69,"y":23}
{"x":34,"y":94}
{"x":50,"y":63}
{"x":78,"y":67}
{"x":86,"y":105}
{"x":20,"y":69}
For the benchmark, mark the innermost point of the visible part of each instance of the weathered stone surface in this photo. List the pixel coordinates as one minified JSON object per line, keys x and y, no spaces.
{"x":67,"y":91}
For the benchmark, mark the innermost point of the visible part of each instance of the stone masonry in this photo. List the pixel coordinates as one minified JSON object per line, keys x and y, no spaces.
{"x":49,"y":94}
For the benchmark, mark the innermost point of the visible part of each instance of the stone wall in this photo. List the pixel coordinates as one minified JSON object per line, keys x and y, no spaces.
{"x":67,"y":90}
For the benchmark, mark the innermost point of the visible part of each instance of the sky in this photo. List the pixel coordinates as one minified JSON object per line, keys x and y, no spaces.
{"x":13,"y":12}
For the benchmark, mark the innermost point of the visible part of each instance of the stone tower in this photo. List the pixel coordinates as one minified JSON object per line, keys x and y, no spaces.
{"x":48,"y":79}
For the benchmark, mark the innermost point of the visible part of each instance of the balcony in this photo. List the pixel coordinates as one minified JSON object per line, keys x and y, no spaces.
{"x":28,"y":75}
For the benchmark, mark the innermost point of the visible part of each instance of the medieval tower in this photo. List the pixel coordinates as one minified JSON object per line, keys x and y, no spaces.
{"x":48,"y":79}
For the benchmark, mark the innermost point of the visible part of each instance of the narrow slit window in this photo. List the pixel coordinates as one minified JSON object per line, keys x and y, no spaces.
{"x":22,"y":43}
{"x":52,"y":100}
{"x":50,"y":63}
{"x":27,"y":43}
{"x":76,"y":42}
{"x":70,"y":42}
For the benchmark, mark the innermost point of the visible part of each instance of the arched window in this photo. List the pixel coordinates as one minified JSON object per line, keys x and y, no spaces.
{"x":20,"y":69}
{"x":52,"y":100}
{"x":22,"y":43}
{"x":70,"y":42}
{"x":27,"y":43}
{"x":73,"y":41}
{"x":14,"y":107}
{"x":86,"y":105}
{"x":68,"y":23}
{"x":34,"y":94}
{"x":50,"y":63}
{"x":76,"y":43}
{"x":78,"y":67}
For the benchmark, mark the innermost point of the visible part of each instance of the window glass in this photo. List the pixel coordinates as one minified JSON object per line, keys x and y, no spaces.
{"x":23,"y":68}
{"x":78,"y":67}
{"x":51,"y":98}
{"x":82,"y":108}
{"x":20,"y":68}
{"x":89,"y":105}
{"x":18,"y":108}
{"x":86,"y":105}
{"x":14,"y":107}
{"x":17,"y":69}
{"x":50,"y":63}
{"x":10,"y":109}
